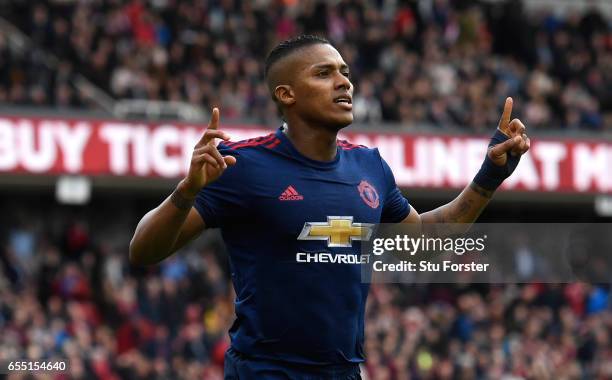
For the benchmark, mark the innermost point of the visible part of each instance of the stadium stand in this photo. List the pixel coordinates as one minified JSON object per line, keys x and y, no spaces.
{"x":460,"y":59}
{"x":67,"y":290}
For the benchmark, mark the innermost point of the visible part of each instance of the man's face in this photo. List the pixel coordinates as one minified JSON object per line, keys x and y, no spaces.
{"x":323,"y":93}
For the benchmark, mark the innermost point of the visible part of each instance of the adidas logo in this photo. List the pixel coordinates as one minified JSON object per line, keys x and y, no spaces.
{"x":290,"y":194}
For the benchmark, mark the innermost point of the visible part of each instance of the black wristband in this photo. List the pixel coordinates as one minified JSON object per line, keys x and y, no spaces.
{"x":490,"y":175}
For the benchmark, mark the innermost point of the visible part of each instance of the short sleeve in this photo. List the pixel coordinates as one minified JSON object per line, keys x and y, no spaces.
{"x":224,"y":200}
{"x":395,"y":207}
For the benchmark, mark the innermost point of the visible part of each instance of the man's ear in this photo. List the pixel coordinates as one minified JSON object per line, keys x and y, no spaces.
{"x":284,"y":95}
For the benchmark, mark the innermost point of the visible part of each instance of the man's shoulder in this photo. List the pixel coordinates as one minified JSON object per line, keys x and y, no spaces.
{"x":249,"y":146}
{"x":251,"y":154}
{"x":348,"y":145}
{"x":358,"y":149}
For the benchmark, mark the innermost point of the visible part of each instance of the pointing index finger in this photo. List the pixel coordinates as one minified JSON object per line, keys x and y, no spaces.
{"x":505,"y":118}
{"x":214,"y":119}
{"x":212,"y":131}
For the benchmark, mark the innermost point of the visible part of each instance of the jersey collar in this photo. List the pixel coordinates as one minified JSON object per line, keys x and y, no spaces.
{"x":286,"y":143}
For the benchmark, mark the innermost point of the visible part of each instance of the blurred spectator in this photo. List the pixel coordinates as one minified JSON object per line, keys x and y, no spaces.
{"x":63,"y":296}
{"x":440,"y":62}
{"x":69,"y":293}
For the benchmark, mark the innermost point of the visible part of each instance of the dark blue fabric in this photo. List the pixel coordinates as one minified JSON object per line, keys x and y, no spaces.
{"x":286,"y":310}
{"x":490,"y":176}
{"x":239,"y":367}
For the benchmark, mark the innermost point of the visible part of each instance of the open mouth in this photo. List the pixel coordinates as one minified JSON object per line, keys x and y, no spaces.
{"x":343,"y":100}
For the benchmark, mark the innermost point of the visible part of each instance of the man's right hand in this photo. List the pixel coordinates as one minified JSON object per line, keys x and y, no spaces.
{"x":207,"y":164}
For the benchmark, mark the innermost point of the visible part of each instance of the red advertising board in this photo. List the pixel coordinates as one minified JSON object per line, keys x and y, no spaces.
{"x":117,"y":148}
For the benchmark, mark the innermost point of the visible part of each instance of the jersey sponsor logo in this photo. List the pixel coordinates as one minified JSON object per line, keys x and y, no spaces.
{"x":338,"y":231}
{"x":368,"y":194}
{"x":290,"y":194}
{"x":326,"y":257}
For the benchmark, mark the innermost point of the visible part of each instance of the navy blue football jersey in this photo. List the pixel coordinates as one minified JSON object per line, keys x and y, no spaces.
{"x":293,"y":228}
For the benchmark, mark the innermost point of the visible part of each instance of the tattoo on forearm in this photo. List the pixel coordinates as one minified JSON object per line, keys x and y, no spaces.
{"x":180,"y":201}
{"x":464,"y":207}
{"x":457,"y":213}
{"x":484,"y":192}
{"x":437,"y":215}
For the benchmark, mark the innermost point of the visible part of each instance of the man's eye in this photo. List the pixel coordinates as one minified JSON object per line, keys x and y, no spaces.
{"x":323,"y":73}
{"x":346,"y":74}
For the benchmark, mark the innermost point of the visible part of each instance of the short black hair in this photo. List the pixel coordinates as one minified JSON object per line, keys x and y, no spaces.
{"x":287,"y":47}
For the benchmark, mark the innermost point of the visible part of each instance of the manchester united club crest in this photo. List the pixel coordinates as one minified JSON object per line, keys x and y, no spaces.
{"x":369,"y":194}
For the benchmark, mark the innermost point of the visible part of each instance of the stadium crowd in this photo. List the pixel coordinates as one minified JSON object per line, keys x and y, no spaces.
{"x":437,"y":62}
{"x":67,"y":292}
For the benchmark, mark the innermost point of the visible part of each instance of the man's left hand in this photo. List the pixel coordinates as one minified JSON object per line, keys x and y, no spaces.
{"x":517,"y":144}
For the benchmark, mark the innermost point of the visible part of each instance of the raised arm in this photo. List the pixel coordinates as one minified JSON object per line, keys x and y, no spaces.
{"x":505,"y":149}
{"x":175,"y":222}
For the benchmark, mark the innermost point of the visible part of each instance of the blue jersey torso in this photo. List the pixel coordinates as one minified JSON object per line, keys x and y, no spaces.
{"x":291,"y":226}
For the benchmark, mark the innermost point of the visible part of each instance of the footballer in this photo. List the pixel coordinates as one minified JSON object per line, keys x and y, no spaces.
{"x":300,"y":190}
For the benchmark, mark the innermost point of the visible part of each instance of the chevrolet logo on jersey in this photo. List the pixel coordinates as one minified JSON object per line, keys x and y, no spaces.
{"x":338,"y":231}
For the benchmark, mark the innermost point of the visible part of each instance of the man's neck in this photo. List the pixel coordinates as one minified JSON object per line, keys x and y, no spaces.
{"x":315,"y":143}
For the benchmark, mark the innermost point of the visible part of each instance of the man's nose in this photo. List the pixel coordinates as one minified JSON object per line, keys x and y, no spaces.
{"x":343,"y":82}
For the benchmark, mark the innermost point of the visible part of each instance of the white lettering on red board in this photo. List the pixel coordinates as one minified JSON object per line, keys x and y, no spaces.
{"x":550,"y":154}
{"x":592,"y":166}
{"x":37,"y":147}
{"x":149,"y":148}
{"x":40,"y":145}
{"x":437,"y":162}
